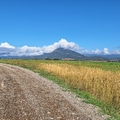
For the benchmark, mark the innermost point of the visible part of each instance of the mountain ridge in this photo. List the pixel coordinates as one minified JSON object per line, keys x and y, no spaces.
{"x":67,"y":54}
{"x":62,"y":53}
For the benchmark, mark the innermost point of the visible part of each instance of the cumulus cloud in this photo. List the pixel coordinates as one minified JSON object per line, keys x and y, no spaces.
{"x":97,"y":51}
{"x":6,"y":49}
{"x":63,"y":43}
{"x":28,"y":51}
{"x":6,"y":45}
{"x":105,"y":51}
{"x":9,"y":50}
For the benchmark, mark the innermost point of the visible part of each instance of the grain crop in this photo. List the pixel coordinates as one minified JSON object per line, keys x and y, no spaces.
{"x":105,"y":85}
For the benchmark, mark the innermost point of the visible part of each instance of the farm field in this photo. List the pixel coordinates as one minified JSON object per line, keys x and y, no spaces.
{"x":101,"y":79}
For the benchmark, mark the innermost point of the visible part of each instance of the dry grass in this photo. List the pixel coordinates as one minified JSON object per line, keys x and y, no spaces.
{"x":101,"y":79}
{"x":105,"y":85}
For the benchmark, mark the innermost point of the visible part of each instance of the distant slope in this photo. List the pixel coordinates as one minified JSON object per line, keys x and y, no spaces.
{"x":62,"y":53}
{"x":109,"y":57}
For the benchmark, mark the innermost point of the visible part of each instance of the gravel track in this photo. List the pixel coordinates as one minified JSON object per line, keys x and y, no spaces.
{"x":24,"y":95}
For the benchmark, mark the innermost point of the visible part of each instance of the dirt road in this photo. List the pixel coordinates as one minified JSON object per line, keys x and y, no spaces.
{"x":24,"y":95}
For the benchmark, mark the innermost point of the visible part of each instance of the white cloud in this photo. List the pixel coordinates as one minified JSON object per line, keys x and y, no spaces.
{"x":68,"y":45}
{"x":6,"y":45}
{"x":97,"y":51}
{"x":7,"y":49}
{"x":63,"y":43}
{"x":26,"y":50}
{"x":105,"y":51}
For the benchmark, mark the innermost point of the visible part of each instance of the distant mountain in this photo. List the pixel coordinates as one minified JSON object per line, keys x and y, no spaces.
{"x":113,"y":56}
{"x":109,"y":57}
{"x":62,"y":53}
{"x":66,"y":54}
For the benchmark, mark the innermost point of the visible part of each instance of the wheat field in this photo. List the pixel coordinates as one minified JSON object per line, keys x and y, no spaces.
{"x":104,"y":85}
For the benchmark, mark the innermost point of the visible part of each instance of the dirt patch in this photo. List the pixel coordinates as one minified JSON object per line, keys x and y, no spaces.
{"x":24,"y":95}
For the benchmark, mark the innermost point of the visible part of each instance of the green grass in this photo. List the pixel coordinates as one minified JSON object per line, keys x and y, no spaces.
{"x":88,"y":98}
{"x":112,"y":66}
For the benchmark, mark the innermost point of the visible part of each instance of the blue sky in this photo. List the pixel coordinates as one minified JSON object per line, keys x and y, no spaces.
{"x":91,"y":25}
